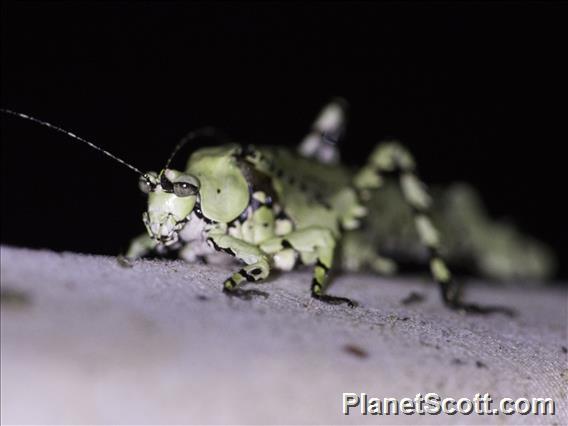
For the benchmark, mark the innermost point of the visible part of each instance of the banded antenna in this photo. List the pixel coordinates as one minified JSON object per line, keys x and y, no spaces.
{"x":208,"y":132}
{"x":71,"y":135}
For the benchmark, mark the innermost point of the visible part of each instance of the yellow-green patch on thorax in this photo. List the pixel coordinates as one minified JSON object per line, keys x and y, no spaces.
{"x":224,"y":191}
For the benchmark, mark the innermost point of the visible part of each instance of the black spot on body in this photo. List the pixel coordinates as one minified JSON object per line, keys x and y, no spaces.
{"x":479,"y":364}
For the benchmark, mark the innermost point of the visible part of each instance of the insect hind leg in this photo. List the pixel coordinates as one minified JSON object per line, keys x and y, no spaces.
{"x":392,"y":158}
{"x":327,"y":130}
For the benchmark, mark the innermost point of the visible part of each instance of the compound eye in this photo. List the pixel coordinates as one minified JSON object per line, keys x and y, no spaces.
{"x":184,"y":189}
{"x":145,"y":185}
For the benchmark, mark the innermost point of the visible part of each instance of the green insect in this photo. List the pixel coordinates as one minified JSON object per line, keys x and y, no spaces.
{"x":272,"y":208}
{"x":473,"y":242}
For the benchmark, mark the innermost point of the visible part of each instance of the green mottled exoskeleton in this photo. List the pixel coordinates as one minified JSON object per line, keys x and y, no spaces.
{"x":273,"y":208}
{"x":245,"y":202}
{"x":270,"y":207}
{"x":473,"y":242}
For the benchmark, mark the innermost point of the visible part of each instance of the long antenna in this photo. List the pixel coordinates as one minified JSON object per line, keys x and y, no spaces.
{"x":72,"y":135}
{"x":205,"y":131}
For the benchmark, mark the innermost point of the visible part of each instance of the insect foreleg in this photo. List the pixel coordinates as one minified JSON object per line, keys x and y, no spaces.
{"x":389,"y":158}
{"x":140,"y":246}
{"x":257,"y":262}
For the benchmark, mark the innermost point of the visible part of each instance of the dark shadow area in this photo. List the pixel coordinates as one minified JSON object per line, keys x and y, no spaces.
{"x":474,"y":90}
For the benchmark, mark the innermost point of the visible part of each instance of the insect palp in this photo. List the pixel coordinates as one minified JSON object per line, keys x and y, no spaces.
{"x":71,"y":135}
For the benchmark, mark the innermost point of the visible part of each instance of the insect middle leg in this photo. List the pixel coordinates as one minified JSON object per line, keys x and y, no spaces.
{"x":315,"y":246}
{"x":393,"y":158}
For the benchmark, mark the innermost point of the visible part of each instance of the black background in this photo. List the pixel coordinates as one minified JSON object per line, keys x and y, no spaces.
{"x":473,"y":89}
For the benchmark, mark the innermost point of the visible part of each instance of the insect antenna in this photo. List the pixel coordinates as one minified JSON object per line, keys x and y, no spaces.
{"x":71,"y":135}
{"x":207,"y":132}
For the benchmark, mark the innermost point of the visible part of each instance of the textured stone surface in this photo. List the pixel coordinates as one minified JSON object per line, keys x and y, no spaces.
{"x":85,"y":340}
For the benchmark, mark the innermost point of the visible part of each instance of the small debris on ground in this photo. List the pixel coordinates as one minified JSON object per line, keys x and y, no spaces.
{"x":413,"y":298}
{"x":356,"y":351}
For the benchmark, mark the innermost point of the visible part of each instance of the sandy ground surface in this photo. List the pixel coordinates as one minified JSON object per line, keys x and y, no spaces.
{"x":85,"y":340}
